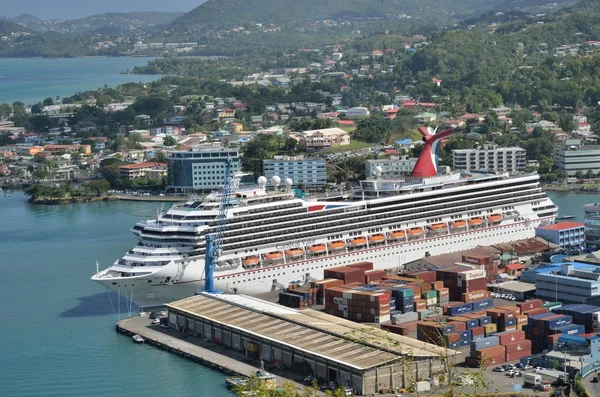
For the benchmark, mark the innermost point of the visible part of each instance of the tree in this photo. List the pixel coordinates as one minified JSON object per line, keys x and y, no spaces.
{"x":589,"y":174}
{"x":100,"y":186}
{"x":5,"y":111}
{"x":566,"y":122}
{"x":36,"y":109}
{"x":579,"y":175}
{"x":48,"y":102}
{"x":160,"y":157}
{"x":169,"y":141}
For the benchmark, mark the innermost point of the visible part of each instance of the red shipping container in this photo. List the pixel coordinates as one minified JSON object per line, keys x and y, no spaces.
{"x":518,"y":346}
{"x":552,"y":339}
{"x":522,"y":319}
{"x":452,"y":338}
{"x":475,"y":295}
{"x":512,"y":309}
{"x":362,"y":265}
{"x":478,"y":331}
{"x":374,"y":275}
{"x":458,"y":325}
{"x":494,"y":351}
{"x":420,"y":305}
{"x":517,"y":355}
{"x":529,"y":305}
{"x":437,"y":285}
{"x":428,"y":276}
{"x":536,"y":312}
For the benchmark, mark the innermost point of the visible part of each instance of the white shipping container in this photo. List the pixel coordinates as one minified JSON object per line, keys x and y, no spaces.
{"x":471,"y":275}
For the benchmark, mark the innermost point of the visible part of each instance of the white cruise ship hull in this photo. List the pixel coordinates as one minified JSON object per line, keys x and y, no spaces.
{"x":150,"y":290}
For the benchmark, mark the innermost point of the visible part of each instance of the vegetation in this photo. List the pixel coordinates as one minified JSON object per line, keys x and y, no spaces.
{"x":67,"y":192}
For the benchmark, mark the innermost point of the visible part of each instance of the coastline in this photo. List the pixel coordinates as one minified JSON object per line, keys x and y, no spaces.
{"x":575,"y":188}
{"x":70,"y":200}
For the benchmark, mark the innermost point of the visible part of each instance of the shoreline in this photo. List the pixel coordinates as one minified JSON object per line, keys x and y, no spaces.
{"x":70,"y":200}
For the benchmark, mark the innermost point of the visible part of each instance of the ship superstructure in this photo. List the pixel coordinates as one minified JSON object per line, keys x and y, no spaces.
{"x":272,"y":238}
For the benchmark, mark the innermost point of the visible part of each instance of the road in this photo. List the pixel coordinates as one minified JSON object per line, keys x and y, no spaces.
{"x":593,"y":389}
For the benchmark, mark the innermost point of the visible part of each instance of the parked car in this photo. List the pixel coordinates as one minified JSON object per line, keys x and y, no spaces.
{"x":510,"y":372}
{"x":498,"y":369}
{"x":309,"y":379}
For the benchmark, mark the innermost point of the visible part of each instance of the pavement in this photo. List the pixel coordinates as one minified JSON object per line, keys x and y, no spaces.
{"x":593,"y":389}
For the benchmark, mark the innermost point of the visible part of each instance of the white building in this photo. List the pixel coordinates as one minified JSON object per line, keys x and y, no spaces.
{"x":310,"y":172}
{"x":512,"y":159}
{"x":574,"y":157}
{"x":202,"y":169}
{"x":394,"y":166}
{"x":357,"y":112}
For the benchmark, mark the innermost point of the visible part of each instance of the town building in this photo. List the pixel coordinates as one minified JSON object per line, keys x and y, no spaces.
{"x":309,"y":172}
{"x":149,"y":170}
{"x":394,"y":166}
{"x":202,"y":169}
{"x":167,"y":130}
{"x":28,"y":150}
{"x":83,"y":149}
{"x":568,"y":235}
{"x":574,"y":158}
{"x":564,"y":282}
{"x":324,"y":139}
{"x":358,"y":111}
{"x":592,"y":226}
{"x":501,"y":111}
{"x":491,"y":159}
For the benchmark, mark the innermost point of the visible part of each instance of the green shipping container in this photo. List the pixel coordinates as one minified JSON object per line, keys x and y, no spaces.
{"x":429,"y":294}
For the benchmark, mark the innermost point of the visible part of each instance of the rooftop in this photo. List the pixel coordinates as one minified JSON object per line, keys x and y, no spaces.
{"x":316,"y":333}
{"x":143,"y":165}
{"x":562,"y":226}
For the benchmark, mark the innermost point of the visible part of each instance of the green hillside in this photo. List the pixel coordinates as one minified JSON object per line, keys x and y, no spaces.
{"x":218,"y":13}
{"x":7,"y":27}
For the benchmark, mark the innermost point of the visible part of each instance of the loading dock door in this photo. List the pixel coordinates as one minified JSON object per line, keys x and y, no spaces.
{"x":227,"y":338}
{"x":332,"y":375}
{"x":207,"y":332}
{"x":236,"y":341}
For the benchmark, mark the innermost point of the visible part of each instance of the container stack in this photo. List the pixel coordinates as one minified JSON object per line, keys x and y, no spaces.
{"x":438,"y":334}
{"x":489,"y":263}
{"x":539,"y":328}
{"x":462,"y":279}
{"x":586,"y":315}
{"x":292,"y":300}
{"x":457,"y":308}
{"x":347,"y":274}
{"x":404,"y":329}
{"x":358,"y":305}
{"x":322,"y":286}
{"x":485,"y":350}
{"x":308,"y":296}
{"x":372,"y":276}
{"x":516,"y":346}
{"x":505,"y":320}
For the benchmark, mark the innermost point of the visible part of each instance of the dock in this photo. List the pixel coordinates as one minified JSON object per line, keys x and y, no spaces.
{"x":194,"y":349}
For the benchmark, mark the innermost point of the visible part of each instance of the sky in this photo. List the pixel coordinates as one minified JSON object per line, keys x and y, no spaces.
{"x":70,"y":9}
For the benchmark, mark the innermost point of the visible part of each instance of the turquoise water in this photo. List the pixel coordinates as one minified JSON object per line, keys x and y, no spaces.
{"x":32,"y":80}
{"x":572,"y":204}
{"x":58,"y":336}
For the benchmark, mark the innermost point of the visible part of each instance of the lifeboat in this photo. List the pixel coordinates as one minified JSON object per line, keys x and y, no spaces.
{"x":358,"y":241}
{"x":336,"y":245}
{"x":415,"y":232}
{"x":273,"y":256}
{"x":459,"y":224}
{"x":294,"y":252}
{"x":475,"y":221}
{"x":377,"y":238}
{"x":397,"y":234}
{"x":250,"y":261}
{"x":438,"y":227}
{"x":317,"y":248}
{"x":495,"y":218}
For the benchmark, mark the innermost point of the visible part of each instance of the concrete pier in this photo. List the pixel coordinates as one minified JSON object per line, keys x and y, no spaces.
{"x":193,"y":348}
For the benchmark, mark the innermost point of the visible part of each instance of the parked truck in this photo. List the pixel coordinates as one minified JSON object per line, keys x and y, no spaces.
{"x":532,"y":380}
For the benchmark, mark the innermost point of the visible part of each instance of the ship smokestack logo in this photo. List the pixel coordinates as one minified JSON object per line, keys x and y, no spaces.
{"x":427,"y":163}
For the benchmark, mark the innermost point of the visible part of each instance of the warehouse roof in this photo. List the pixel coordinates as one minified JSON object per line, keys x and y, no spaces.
{"x":562,"y":226}
{"x":315,"y":333}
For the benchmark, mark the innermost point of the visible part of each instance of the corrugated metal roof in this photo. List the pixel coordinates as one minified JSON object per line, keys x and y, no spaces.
{"x":527,"y":246}
{"x":562,"y":226}
{"x":315,"y":333}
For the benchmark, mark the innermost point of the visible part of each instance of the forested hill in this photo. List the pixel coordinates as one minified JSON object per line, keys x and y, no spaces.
{"x":8,"y":27}
{"x":221,"y":13}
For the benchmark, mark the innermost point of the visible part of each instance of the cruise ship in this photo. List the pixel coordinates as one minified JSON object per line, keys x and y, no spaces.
{"x":272,"y":238}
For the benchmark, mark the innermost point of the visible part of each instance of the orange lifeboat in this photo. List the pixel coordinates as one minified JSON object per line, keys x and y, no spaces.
{"x":317,"y":248}
{"x":377,"y":238}
{"x":458,"y":224}
{"x":358,"y":241}
{"x":294,"y":252}
{"x":415,"y":232}
{"x":494,"y":218}
{"x":438,"y":227}
{"x":250,"y":260}
{"x":273,"y":256}
{"x":397,"y":234}
{"x":475,"y":221}
{"x":336,"y":245}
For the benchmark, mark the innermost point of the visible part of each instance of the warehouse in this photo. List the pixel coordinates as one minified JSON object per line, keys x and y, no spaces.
{"x":333,"y":349}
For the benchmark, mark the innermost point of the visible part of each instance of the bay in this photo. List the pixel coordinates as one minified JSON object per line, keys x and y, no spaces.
{"x":31,"y":80}
{"x":58,"y":326}
{"x":572,"y":203}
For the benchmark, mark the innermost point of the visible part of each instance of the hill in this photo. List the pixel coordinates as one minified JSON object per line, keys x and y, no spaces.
{"x":222,"y":14}
{"x":8,"y":27}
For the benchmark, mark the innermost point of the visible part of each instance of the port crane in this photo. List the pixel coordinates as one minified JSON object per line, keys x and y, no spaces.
{"x":214,"y":240}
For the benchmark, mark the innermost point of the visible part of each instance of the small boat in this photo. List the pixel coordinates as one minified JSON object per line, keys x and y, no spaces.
{"x":138,"y":339}
{"x":415,"y":232}
{"x":294,"y":252}
{"x":566,"y":217}
{"x":358,"y":241}
{"x":438,"y":227}
{"x":236,"y":381}
{"x":377,"y":238}
{"x":459,"y":224}
{"x":494,"y":218}
{"x":317,"y":248}
{"x":475,"y":221}
{"x":251,"y":260}
{"x":336,"y":245}
{"x":273,"y":256}
{"x":397,"y":234}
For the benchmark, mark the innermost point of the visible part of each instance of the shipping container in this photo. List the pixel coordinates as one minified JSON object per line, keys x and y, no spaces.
{"x":458,"y":325}
{"x":483,"y":304}
{"x":405,"y":318}
{"x":510,"y":336}
{"x":536,"y":312}
{"x":475,"y":295}
{"x":372,"y":276}
{"x":513,"y":347}
{"x":362,"y":265}
{"x":490,"y":329}
{"x":494,"y":351}
{"x":459,"y":309}
{"x":529,"y":305}
{"x":483,"y":343}
{"x":573,"y":329}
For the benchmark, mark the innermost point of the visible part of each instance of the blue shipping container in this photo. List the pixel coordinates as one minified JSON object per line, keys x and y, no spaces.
{"x":531,"y":318}
{"x":483,"y":343}
{"x":472,"y":323}
{"x":447,"y":329}
{"x":483,"y":304}
{"x":464,"y":342}
{"x":559,"y":322}
{"x":477,"y":337}
{"x":485,"y":320}
{"x":454,"y":345}
{"x":573,"y":329}
{"x":465,"y":335}
{"x":459,"y":309}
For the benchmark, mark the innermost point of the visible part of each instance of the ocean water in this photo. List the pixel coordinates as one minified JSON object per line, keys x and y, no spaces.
{"x":31,"y":80}
{"x":572,"y":204}
{"x":58,"y":335}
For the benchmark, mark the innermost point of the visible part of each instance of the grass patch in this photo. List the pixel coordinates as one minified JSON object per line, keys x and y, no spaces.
{"x":354,"y":145}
